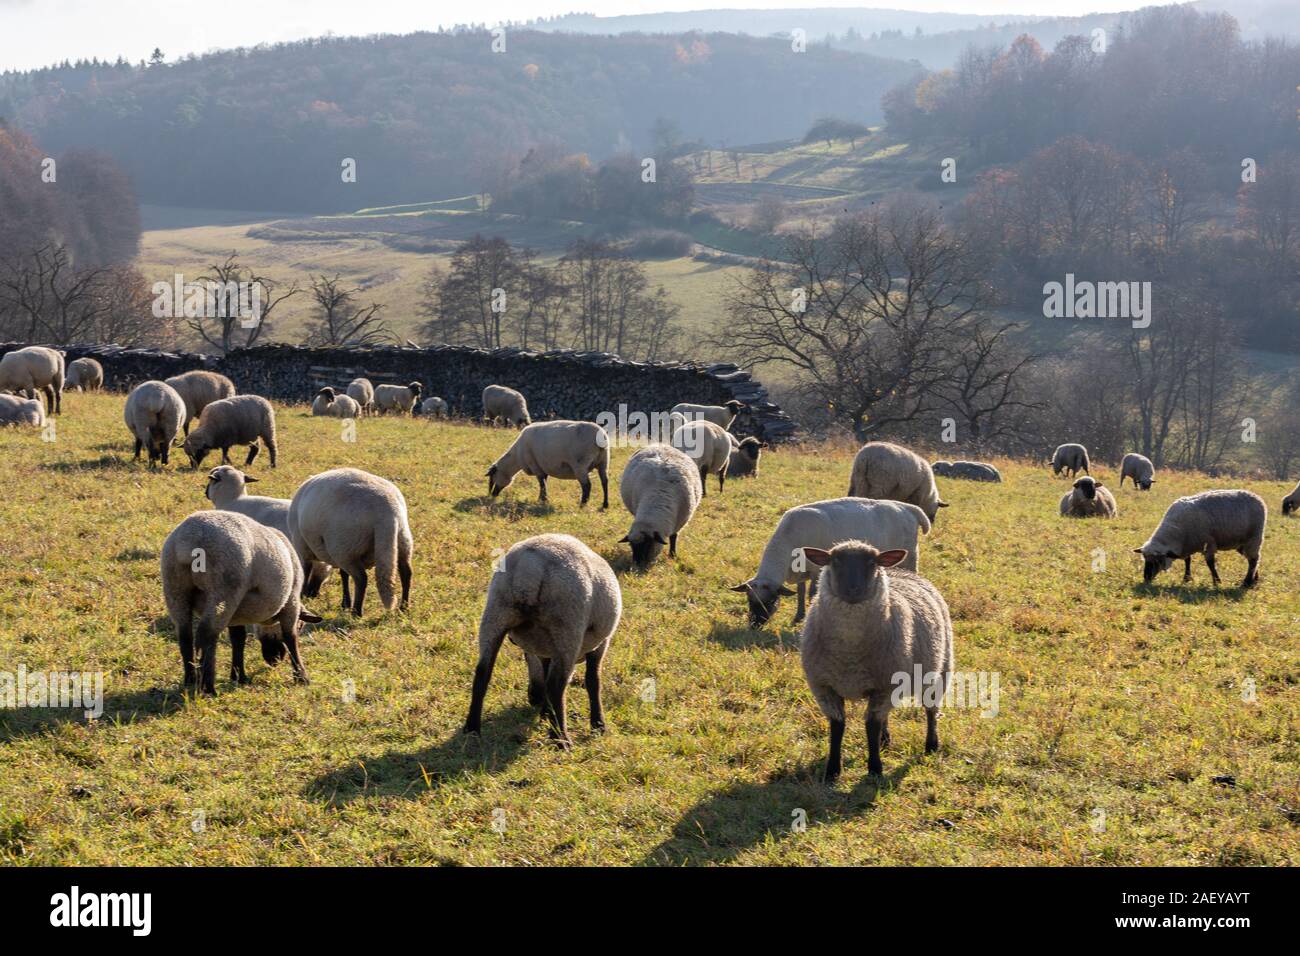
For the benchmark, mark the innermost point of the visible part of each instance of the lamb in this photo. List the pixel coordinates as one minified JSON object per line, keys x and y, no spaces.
{"x":559,"y":449}
{"x":397,"y":398}
{"x":885,"y":470}
{"x":1208,"y":522}
{"x":320,"y":405}
{"x":661,"y":487}
{"x":505,"y":404}
{"x":559,"y":601}
{"x":889,"y":525}
{"x":1292,"y":501}
{"x":434,"y":407}
{"x":1089,"y":498}
{"x":971,"y":471}
{"x":154,"y":414}
{"x":345,"y":406}
{"x":34,"y":369}
{"x":743,"y":462}
{"x":241,"y":420}
{"x":354,"y":521}
{"x":720,"y":415}
{"x":869,"y":629}
{"x":200,"y":389}
{"x":363,"y":393}
{"x":85,"y":374}
{"x":1071,"y":456}
{"x":709,"y":446}
{"x":231,"y":572}
{"x":15,"y":410}
{"x":1139,"y":468}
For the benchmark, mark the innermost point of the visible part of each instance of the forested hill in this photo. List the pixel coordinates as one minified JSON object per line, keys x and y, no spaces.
{"x":425,"y":114}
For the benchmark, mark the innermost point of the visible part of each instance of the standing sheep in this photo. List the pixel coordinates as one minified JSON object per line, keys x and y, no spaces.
{"x":199,"y":389}
{"x":720,"y":415}
{"x":885,"y":470}
{"x":1089,"y":498}
{"x":397,"y":398}
{"x":709,"y":446}
{"x":85,"y":374}
{"x":434,"y":407}
{"x":561,"y":449}
{"x":559,"y":601}
{"x":661,"y":488}
{"x":345,"y":406}
{"x":363,"y":393}
{"x":743,"y":462}
{"x":15,"y":410}
{"x":1292,"y":501}
{"x":867,"y":628}
{"x":1207,"y":523}
{"x":1071,"y":456}
{"x":241,"y":420}
{"x":231,"y":572}
{"x":354,"y":521}
{"x":34,"y":369}
{"x":889,"y":525}
{"x":1139,"y":468}
{"x":154,"y":414}
{"x":320,"y":405}
{"x":505,"y":404}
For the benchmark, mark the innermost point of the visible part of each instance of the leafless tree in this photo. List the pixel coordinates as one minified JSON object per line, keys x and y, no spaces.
{"x":229,"y":329}
{"x":340,"y":321}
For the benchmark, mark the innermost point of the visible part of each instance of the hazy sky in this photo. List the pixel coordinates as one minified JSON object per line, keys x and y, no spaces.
{"x":39,"y":32}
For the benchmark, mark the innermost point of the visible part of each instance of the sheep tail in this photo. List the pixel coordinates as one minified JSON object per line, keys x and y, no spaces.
{"x":386,"y":535}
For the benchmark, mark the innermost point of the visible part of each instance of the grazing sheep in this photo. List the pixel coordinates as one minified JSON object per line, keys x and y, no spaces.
{"x":15,"y":410}
{"x":241,"y":420}
{"x":34,"y":369}
{"x":971,"y":471}
{"x":720,"y":415}
{"x":85,"y":374}
{"x":661,"y":487}
{"x":354,"y":521}
{"x":397,"y":398}
{"x":889,"y":525}
{"x":1207,"y":523}
{"x":345,"y":406}
{"x":1139,"y":468}
{"x":320,"y":405}
{"x":434,"y":407}
{"x":867,"y":629}
{"x":709,"y":446}
{"x":154,"y":414}
{"x":199,"y":389}
{"x":559,"y":601}
{"x":1089,"y":498}
{"x":363,"y":393}
{"x":561,"y":449}
{"x":231,"y":572}
{"x":505,"y":404}
{"x":885,"y":470}
{"x":743,"y":462}
{"x":1292,"y":501}
{"x":942,"y":468}
{"x":1071,"y":456}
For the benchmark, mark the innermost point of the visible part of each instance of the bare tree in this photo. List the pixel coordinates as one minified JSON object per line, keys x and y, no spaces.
{"x":468,"y":304}
{"x":340,"y":321}
{"x":229,"y":328}
{"x":986,"y":390}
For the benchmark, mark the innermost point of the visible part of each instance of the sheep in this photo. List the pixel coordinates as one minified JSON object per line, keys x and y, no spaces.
{"x":434,"y":407}
{"x":1292,"y":501}
{"x":709,"y":446}
{"x":354,"y":521}
{"x":743,"y":462}
{"x":397,"y":398}
{"x":35,"y":369}
{"x":363,"y":393}
{"x":559,"y":449}
{"x":661,"y":487}
{"x":867,"y":633}
{"x":320,"y":405}
{"x":505,"y":404}
{"x":942,"y":468}
{"x":1089,"y":498}
{"x":559,"y":601}
{"x":231,"y":572}
{"x":241,"y":420}
{"x":199,"y":389}
{"x":888,"y":525}
{"x":345,"y":406}
{"x":971,"y":471}
{"x":720,"y":415}
{"x":1208,"y":522}
{"x":1139,"y":468}
{"x":85,"y":374}
{"x":1071,"y":456}
{"x":885,"y":470}
{"x":154,"y":414}
{"x":15,"y":410}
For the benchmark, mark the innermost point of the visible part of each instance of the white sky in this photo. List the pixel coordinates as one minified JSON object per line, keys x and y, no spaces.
{"x":39,"y":32}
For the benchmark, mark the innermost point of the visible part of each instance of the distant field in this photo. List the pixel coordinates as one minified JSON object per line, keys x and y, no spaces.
{"x":1119,"y":707}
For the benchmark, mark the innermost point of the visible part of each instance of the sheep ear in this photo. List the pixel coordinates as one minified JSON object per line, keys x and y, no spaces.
{"x":1170,"y":554}
{"x":742,"y":588}
{"x":785,"y":591}
{"x":887,"y":559}
{"x":1137,"y":550}
{"x":660,"y":538}
{"x":625,"y":540}
{"x":943,"y":504}
{"x":248,"y":478}
{"x":817,"y":556}
{"x":309,"y":617}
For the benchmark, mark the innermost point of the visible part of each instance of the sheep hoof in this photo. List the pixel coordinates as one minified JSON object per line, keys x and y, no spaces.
{"x":564,"y":743}
{"x":598,"y":728}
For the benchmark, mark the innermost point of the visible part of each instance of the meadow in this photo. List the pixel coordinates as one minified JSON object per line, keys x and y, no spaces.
{"x":1134,"y":725}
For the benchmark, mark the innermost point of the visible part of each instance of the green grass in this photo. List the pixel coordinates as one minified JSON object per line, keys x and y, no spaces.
{"x":1111,"y":697}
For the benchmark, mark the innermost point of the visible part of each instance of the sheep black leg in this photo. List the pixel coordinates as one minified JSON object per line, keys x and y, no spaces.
{"x":289,"y":629}
{"x":722,"y":479}
{"x":1252,"y":573}
{"x":139,"y":446}
{"x":347,"y":590}
{"x":238,"y":637}
{"x":1187,"y":569}
{"x":875,"y":724}
{"x":536,"y":682}
{"x":404,"y":574}
{"x":1214,"y":570}
{"x":185,"y":637}
{"x":270,"y":449}
{"x":586,"y":493}
{"x":207,"y":642}
{"x":704,"y":482}
{"x":799,"y":611}
{"x":557,"y":682}
{"x":604,"y":488}
{"x":482,"y":675}
{"x":541,"y":480}
{"x":252,"y":454}
{"x":833,"y":757}
{"x":884,"y":733}
{"x":931,"y":729}
{"x":360,"y":582}
{"x":592,"y":679}
{"x":672,"y":546}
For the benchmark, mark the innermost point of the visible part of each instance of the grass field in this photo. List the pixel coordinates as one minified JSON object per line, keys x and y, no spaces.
{"x":1114,"y":700}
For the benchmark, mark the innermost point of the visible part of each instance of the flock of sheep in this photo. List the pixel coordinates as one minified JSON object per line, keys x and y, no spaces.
{"x":867,"y":614}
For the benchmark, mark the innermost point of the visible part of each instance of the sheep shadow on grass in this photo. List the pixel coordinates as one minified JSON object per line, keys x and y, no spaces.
{"x":510,"y":508}
{"x":739,"y":638}
{"x":723,"y":826}
{"x":503,"y":737}
{"x":127,"y":707}
{"x":102,"y":463}
{"x":1192,"y":593}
